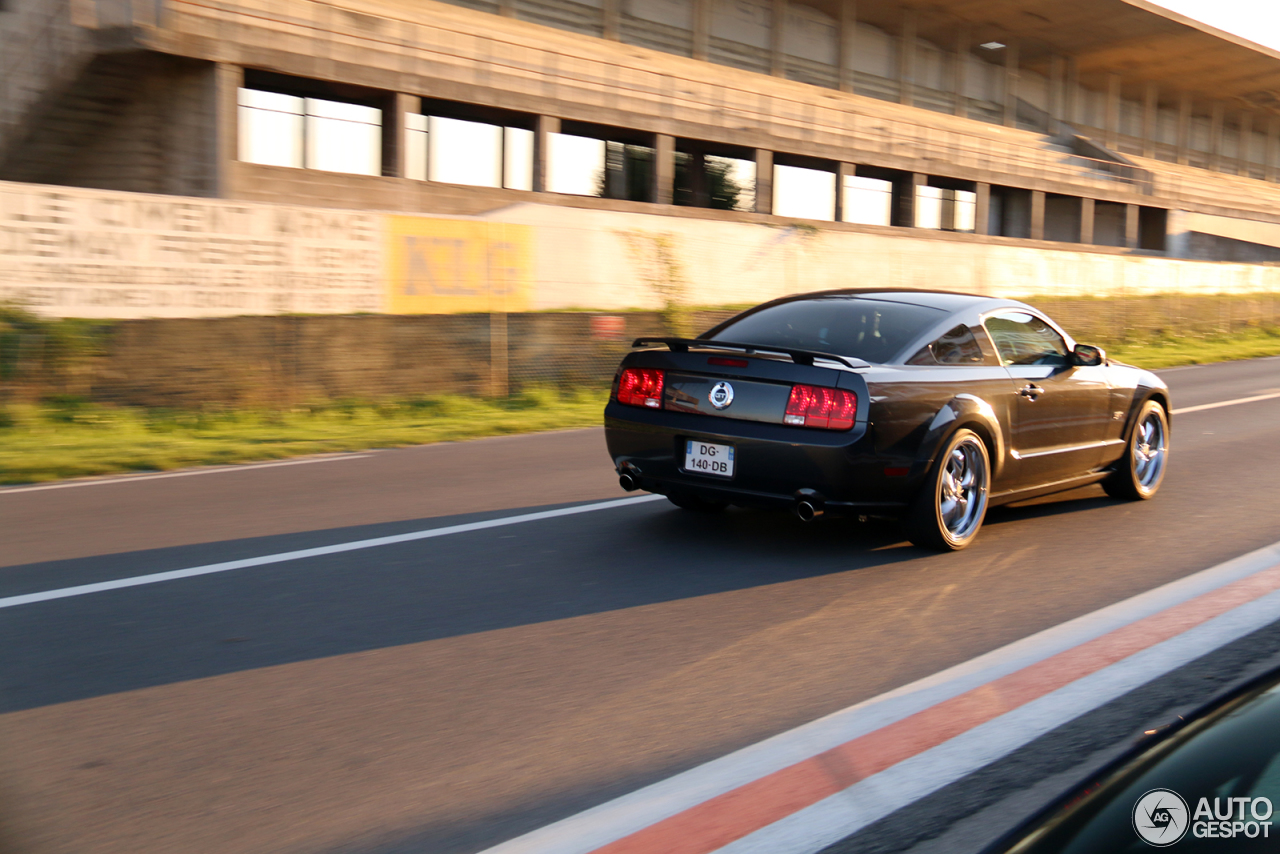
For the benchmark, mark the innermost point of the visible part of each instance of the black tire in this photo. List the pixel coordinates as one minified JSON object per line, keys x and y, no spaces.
{"x":697,"y":504}
{"x":962,"y":464}
{"x":1140,"y":471}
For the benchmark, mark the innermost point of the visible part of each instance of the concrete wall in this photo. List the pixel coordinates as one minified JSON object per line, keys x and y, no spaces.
{"x":86,"y":253}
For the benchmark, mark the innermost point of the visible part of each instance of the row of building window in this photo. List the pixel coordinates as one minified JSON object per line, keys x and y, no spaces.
{"x":301,"y":131}
{"x":277,"y":129}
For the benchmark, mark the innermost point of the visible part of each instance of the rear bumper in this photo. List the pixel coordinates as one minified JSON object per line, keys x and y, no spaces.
{"x":775,"y":465}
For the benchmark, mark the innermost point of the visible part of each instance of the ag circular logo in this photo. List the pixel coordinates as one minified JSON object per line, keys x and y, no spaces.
{"x":721,"y":395}
{"x":1160,"y":817}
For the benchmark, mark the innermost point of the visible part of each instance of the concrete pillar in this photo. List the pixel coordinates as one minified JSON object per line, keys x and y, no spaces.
{"x":982,"y":210}
{"x":961,"y":71}
{"x":701,"y":27}
{"x":906,"y":202}
{"x":612,"y":12}
{"x":777,"y":36}
{"x":1113,"y":110}
{"x":1269,"y":158}
{"x":1086,"y":221}
{"x":907,"y":50}
{"x":846,"y":44}
{"x":227,"y":81}
{"x":1215,"y":136}
{"x":1177,"y":242}
{"x":697,"y":172}
{"x":764,"y":181}
{"x":664,"y":169}
{"x":1071,"y":91}
{"x":1011,"y":85}
{"x":1131,"y":226}
{"x":1244,"y":146}
{"x":843,"y":170}
{"x":394,"y":142}
{"x":1150,"y":114}
{"x":1184,"y":129}
{"x":544,"y":126}
{"x":1055,"y":88}
{"x":1037,"y":215}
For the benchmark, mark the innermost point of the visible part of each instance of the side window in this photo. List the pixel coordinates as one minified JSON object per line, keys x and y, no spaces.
{"x":957,"y":347}
{"x":1024,"y":339}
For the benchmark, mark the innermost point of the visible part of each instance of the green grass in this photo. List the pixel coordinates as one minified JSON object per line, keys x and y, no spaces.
{"x":68,"y":438}
{"x":1169,"y":352}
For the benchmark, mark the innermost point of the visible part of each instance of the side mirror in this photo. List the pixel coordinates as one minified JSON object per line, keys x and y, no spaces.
{"x":1088,"y":356}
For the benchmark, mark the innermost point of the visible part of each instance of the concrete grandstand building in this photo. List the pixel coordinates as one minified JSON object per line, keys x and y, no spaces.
{"x":1100,"y":126}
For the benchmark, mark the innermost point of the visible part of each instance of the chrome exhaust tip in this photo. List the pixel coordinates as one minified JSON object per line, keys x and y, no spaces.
{"x":807,"y":511}
{"x":628,"y":482}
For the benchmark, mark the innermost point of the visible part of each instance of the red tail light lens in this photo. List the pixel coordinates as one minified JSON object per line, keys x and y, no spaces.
{"x":817,"y":406}
{"x":641,"y":387}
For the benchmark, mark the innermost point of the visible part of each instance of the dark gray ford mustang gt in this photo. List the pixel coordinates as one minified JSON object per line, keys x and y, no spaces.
{"x":923,"y":405}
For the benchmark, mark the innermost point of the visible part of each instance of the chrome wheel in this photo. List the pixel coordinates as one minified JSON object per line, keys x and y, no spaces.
{"x":1150,"y":448}
{"x":1138,"y":474}
{"x":962,"y":489}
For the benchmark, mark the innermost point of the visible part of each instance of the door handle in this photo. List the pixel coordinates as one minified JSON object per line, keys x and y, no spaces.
{"x":1031,"y":391}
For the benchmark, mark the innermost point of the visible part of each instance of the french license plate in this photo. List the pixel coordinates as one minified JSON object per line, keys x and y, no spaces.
{"x":707,"y":458}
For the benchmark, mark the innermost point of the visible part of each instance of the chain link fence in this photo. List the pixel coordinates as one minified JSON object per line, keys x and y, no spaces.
{"x":283,"y":362}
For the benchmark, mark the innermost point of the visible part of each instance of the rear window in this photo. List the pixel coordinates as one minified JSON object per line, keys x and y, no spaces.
{"x":871,"y":330}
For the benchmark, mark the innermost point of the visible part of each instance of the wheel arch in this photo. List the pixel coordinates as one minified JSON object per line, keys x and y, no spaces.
{"x":1141,"y":395}
{"x":964,"y":411}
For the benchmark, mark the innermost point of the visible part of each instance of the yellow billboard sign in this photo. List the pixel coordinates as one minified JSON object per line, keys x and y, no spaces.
{"x":446,"y":266}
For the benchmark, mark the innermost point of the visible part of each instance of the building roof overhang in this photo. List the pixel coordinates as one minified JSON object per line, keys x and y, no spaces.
{"x":1139,"y":41}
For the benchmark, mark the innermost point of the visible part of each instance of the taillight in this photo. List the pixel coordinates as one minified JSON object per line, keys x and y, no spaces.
{"x":817,"y":406}
{"x":641,"y":387}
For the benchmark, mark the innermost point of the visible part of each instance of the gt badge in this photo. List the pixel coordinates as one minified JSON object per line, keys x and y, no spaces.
{"x":721,"y":395}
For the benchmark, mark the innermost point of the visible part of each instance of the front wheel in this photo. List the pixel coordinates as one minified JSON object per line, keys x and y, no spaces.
{"x":1141,"y":471}
{"x":949,"y":509}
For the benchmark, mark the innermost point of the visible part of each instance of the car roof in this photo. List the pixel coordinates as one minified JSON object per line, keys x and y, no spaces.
{"x":949,"y":301}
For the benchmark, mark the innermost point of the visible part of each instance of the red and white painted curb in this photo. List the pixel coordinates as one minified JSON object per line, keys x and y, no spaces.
{"x":805,"y":789}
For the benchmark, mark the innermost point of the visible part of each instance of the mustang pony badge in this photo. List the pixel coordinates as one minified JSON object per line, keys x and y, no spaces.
{"x":721,"y":395}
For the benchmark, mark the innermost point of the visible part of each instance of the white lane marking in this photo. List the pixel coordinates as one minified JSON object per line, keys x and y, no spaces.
{"x":596,"y":827}
{"x":132,"y":478}
{"x":320,"y":551}
{"x":845,"y":813}
{"x":1220,"y":404}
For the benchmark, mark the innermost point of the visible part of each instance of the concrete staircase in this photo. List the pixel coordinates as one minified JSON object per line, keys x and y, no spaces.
{"x":68,"y":117}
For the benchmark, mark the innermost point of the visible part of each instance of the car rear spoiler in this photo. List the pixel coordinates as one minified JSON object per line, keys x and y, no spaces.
{"x":800,"y":357}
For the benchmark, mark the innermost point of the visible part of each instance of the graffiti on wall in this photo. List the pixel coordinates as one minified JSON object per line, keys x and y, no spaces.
{"x":442,"y":266}
{"x":84,"y":253}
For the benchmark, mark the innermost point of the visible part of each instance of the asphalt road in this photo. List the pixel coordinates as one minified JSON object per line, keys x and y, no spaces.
{"x":447,"y":694}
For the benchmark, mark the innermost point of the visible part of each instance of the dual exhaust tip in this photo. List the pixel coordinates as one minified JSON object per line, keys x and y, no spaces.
{"x":807,"y":507}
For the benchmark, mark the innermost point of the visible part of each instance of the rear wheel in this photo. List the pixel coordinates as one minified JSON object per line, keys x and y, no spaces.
{"x":1141,"y":471}
{"x":697,"y":504}
{"x":949,"y":509}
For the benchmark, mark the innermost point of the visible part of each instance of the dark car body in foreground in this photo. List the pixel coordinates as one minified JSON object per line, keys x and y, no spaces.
{"x":1206,"y":782}
{"x":929,"y":406}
